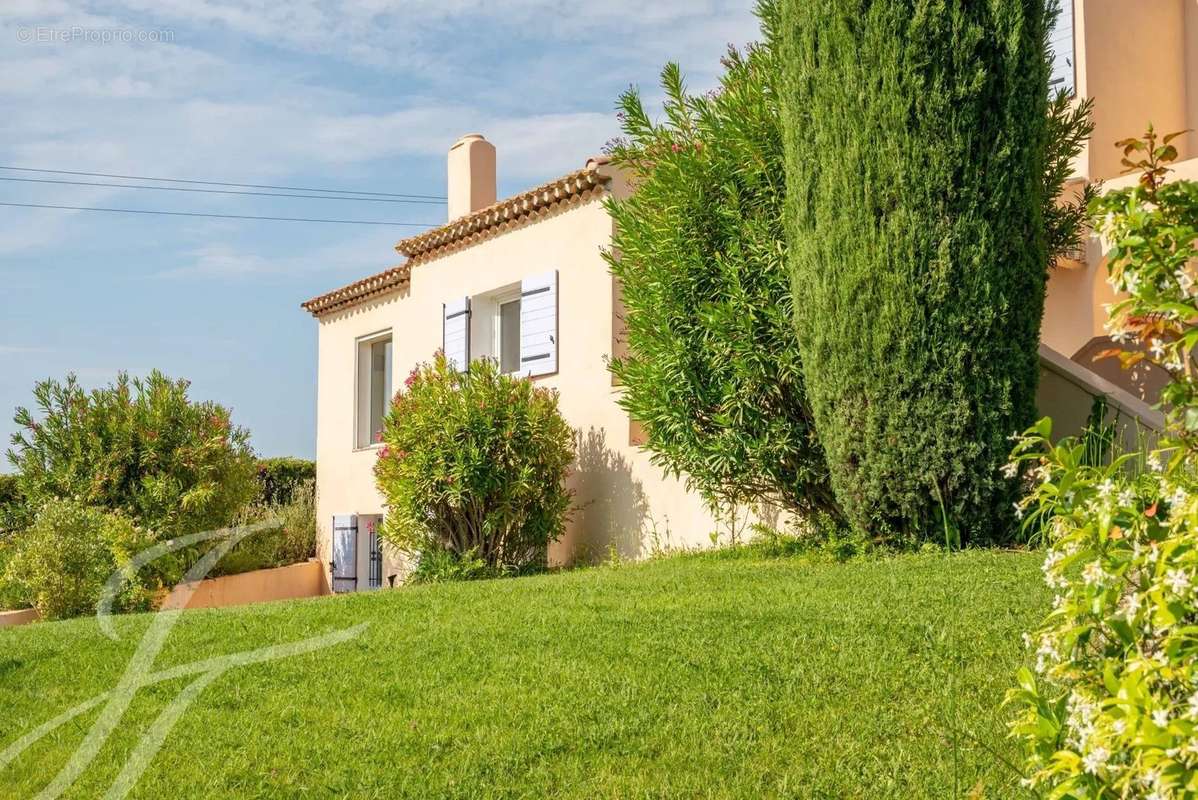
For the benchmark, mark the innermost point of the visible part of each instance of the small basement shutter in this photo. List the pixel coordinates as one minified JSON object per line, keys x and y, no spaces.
{"x":345,"y":553}
{"x":455,"y":333}
{"x":538,"y":324}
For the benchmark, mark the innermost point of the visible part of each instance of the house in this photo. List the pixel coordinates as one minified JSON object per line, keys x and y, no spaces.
{"x":522,"y":280}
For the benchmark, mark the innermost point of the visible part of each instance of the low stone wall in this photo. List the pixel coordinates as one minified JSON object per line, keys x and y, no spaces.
{"x":25,"y":615}
{"x":260,"y":586}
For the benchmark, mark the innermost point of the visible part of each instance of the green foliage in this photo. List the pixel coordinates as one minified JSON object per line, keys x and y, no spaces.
{"x":474,"y":463}
{"x":1066,"y":218}
{"x":1110,"y":709}
{"x":713,"y":370}
{"x":438,"y":565}
{"x":13,"y":509}
{"x":917,"y":153}
{"x":140,"y":447}
{"x":292,"y":541}
{"x":60,"y":564}
{"x":280,"y":478}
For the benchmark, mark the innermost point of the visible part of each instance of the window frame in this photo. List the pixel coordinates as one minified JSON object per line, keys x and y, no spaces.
{"x":362,"y":376}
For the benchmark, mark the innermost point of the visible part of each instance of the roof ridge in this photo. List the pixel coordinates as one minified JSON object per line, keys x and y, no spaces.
{"x":577,"y":186}
{"x":569,"y":185}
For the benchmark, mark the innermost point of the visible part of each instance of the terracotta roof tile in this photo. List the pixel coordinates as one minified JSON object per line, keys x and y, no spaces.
{"x":358,"y":291}
{"x":513,"y":212}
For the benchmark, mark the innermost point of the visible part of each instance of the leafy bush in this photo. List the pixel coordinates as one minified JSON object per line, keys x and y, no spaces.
{"x":140,"y":447}
{"x":13,"y":509}
{"x":713,"y":370}
{"x":916,"y":141}
{"x":1111,"y":708}
{"x":60,"y":564}
{"x":291,"y":542}
{"x":474,"y":463}
{"x":280,"y":478}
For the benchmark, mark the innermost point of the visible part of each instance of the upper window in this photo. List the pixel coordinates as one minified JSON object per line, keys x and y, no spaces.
{"x":374,"y":387}
{"x":1060,"y":42}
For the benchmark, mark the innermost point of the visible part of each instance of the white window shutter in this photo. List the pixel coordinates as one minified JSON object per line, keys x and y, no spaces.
{"x":344,"y":563}
{"x":538,"y":324}
{"x":455,"y":333}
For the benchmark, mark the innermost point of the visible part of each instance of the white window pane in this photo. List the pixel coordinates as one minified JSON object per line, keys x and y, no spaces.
{"x":380,"y":385}
{"x":509,"y":336}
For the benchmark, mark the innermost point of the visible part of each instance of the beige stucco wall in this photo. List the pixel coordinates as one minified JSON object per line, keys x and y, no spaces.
{"x":622,"y":501}
{"x":1139,"y":63}
{"x":1134,"y":59}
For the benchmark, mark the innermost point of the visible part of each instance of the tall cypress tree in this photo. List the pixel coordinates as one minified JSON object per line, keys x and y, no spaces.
{"x":915,"y":138}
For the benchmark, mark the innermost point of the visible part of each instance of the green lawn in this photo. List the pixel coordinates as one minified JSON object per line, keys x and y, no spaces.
{"x":696,"y":676}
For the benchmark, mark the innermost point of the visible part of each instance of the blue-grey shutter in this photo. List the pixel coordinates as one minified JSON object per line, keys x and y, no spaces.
{"x":345,"y":552}
{"x":455,"y":333}
{"x":538,"y":324}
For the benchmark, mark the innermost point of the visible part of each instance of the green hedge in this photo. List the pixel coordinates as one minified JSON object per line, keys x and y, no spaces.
{"x":12,"y":505}
{"x":279,"y":478}
{"x":915,"y":137}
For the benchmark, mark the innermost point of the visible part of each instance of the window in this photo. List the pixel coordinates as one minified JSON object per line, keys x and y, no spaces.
{"x":1060,"y":42}
{"x":508,"y":335}
{"x":374,"y":388}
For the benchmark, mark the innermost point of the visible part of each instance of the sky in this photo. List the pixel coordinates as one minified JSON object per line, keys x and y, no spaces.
{"x":363,"y":96}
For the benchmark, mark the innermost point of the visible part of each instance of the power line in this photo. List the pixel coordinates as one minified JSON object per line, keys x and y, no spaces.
{"x":220,"y":216}
{"x":218,"y":191}
{"x":222,"y":183}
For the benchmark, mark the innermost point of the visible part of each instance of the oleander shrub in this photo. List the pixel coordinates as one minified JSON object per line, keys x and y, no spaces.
{"x":1110,"y":707}
{"x":141,"y":447}
{"x":473,"y":465}
{"x":916,"y":141}
{"x":712,"y":371}
{"x":280,"y":478}
{"x":60,"y":564}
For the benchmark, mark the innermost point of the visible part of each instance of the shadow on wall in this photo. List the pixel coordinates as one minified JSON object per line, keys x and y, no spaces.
{"x":610,"y":506}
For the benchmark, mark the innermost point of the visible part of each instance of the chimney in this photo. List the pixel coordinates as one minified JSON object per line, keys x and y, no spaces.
{"x":471,"y":175}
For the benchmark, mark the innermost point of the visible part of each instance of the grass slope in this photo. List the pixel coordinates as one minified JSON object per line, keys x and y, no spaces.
{"x":699,"y":676}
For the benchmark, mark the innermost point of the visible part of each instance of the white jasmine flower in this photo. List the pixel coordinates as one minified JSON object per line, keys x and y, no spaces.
{"x":1160,"y":718}
{"x":1184,"y":281}
{"x":1129,"y":606}
{"x":1010,"y":470}
{"x":1127,"y":497}
{"x":1153,"y":461}
{"x":1178,"y":497}
{"x":1157,"y":349}
{"x":1093,"y":574}
{"x":1018,"y":510}
{"x":1178,"y":581}
{"x":1106,"y":488}
{"x":1095,"y":761}
{"x":1119,"y":726}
